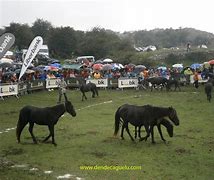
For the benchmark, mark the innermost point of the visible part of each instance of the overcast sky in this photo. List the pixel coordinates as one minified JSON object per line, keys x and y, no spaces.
{"x":117,"y":15}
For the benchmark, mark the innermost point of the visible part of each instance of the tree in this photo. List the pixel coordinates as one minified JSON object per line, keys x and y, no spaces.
{"x":62,"y":42}
{"x":101,"y":43}
{"x":41,"y":28}
{"x":22,"y":33}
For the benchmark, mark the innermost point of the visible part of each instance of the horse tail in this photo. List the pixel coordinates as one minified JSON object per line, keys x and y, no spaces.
{"x":21,"y":123}
{"x":117,"y":122}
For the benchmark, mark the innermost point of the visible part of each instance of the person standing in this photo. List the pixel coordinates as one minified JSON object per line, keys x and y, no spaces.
{"x":62,"y":85}
{"x":196,"y":78}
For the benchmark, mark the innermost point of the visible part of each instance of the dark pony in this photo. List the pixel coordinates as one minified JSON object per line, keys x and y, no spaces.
{"x":174,"y":82}
{"x":88,"y":87}
{"x":163,"y":122}
{"x":157,"y":82}
{"x":147,"y":116}
{"x":208,"y":88}
{"x":48,"y":116}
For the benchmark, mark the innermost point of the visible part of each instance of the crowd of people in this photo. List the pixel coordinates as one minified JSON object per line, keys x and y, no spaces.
{"x":129,"y":71}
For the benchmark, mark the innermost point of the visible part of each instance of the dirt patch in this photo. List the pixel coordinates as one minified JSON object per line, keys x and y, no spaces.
{"x":78,"y":135}
{"x":195,"y":130}
{"x":109,"y":139}
{"x":98,"y":154}
{"x":181,"y":151}
{"x":185,"y":136}
{"x":4,"y":163}
{"x":13,"y":151}
{"x":92,"y":132}
{"x":10,"y":112}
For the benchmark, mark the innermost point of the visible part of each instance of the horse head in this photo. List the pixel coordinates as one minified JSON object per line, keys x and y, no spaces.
{"x":70,"y":108}
{"x":173,"y":116}
{"x":170,"y":130}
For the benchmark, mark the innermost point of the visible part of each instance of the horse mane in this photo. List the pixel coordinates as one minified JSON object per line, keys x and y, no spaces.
{"x":59,"y":109}
{"x":160,"y":111}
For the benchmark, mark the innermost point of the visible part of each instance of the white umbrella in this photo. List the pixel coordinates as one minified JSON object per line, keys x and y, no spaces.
{"x":107,"y":60}
{"x":163,"y":68}
{"x":6,"y":60}
{"x":177,"y":66}
{"x":140,"y":66}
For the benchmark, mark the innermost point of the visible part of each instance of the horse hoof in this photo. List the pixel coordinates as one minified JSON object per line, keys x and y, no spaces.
{"x":153,"y":142}
{"x":55,"y":144}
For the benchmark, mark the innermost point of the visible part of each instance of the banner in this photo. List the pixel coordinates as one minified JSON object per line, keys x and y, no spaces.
{"x":8,"y":90}
{"x":99,"y":82}
{"x":6,"y":41}
{"x":126,"y":83}
{"x":31,"y":53}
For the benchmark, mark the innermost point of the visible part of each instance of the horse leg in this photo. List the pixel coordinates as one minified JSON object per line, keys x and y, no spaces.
{"x":47,"y":136}
{"x":135,"y":132}
{"x":31,"y":132}
{"x":160,"y":132}
{"x":127,"y":130}
{"x":122,"y":129}
{"x":96,"y":91}
{"x":93,"y":93}
{"x":152,"y":133}
{"x":51,"y":129}
{"x":139,"y":129}
{"x":148,"y":133}
{"x":83,"y":96}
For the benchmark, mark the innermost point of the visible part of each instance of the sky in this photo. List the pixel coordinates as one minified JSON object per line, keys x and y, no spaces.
{"x":116,"y":15}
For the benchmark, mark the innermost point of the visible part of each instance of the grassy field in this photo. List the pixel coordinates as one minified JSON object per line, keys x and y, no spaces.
{"x":87,"y":139}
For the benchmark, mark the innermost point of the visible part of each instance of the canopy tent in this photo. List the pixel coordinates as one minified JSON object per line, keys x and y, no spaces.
{"x":73,"y":66}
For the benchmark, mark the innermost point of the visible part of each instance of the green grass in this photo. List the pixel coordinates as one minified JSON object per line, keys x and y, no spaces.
{"x":87,"y":139}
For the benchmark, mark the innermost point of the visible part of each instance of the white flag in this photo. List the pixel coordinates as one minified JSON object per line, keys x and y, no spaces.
{"x":31,"y":53}
{"x":6,"y":41}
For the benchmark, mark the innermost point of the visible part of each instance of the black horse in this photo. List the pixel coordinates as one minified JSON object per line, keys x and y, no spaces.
{"x":157,"y":82}
{"x":208,"y":90}
{"x":163,"y":122}
{"x":147,"y":116}
{"x":174,"y":82}
{"x":88,"y":87}
{"x":48,"y":116}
